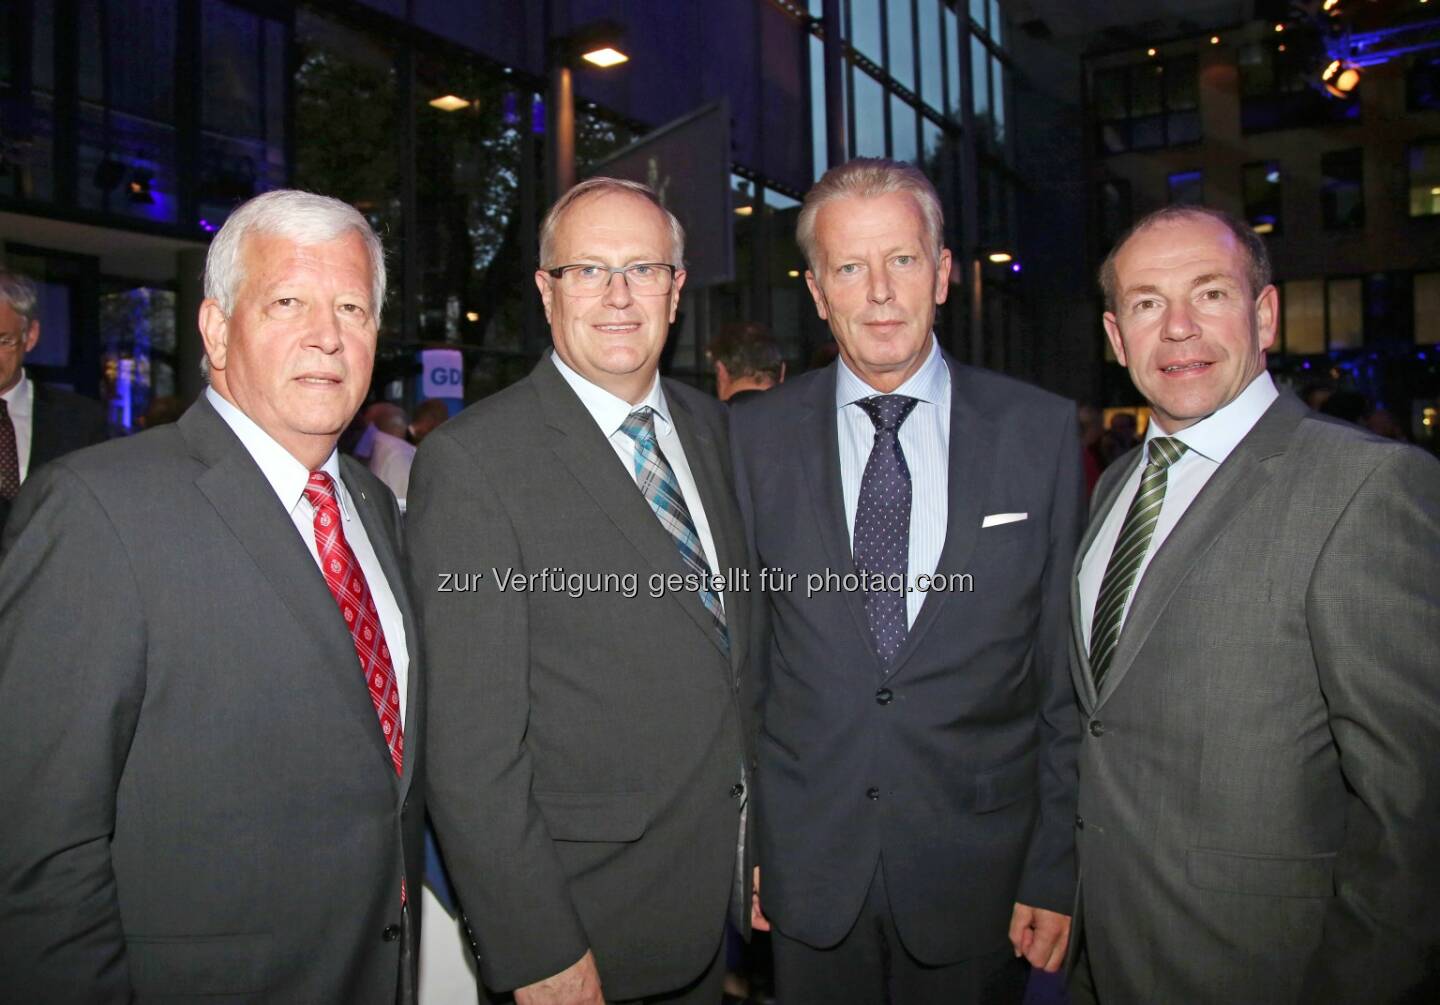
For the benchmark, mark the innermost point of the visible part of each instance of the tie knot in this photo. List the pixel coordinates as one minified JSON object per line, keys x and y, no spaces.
{"x":888,"y":411}
{"x":639,"y":425}
{"x":1165,"y":451}
{"x":320,"y":490}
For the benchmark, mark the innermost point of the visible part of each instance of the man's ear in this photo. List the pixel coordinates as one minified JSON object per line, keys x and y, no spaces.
{"x":817,"y":294}
{"x":547,"y":292}
{"x":32,"y":336}
{"x":1112,"y":331}
{"x":214,"y":332}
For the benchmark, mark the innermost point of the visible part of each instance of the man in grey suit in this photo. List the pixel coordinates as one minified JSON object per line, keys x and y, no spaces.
{"x":587,"y":741}
{"x":1256,"y":643}
{"x":210,"y":711}
{"x":915,"y":794}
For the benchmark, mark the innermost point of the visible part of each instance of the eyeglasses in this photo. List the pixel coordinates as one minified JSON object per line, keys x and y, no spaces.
{"x":590,"y":280}
{"x":9,"y":340}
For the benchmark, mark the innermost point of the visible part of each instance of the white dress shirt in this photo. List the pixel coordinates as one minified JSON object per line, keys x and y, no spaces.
{"x":610,"y":413}
{"x":390,"y":461}
{"x":20,"y":400}
{"x":288,"y":477}
{"x":925,"y":439}
{"x":1209,"y":442}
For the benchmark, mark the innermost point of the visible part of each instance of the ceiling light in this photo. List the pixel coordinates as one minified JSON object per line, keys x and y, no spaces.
{"x":1279,"y":27}
{"x":472,"y":316}
{"x":1214,"y":39}
{"x":449,"y":103}
{"x":1000,"y":257}
{"x":1150,"y":52}
{"x":744,"y":210}
{"x":605,"y":57}
{"x":1264,"y":228}
{"x":793,"y":273}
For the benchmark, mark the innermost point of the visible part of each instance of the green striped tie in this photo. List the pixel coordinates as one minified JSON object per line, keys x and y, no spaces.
{"x":1129,"y":553}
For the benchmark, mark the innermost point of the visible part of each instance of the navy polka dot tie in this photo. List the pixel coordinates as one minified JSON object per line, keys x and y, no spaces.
{"x":882,"y":522}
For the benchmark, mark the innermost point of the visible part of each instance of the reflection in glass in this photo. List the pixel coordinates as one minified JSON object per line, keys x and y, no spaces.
{"x":902,"y":43}
{"x":869,"y":115}
{"x":902,"y":130}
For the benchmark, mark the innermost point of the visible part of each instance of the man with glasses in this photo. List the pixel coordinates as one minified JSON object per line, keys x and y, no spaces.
{"x":580,"y":566}
{"x":37,"y":423}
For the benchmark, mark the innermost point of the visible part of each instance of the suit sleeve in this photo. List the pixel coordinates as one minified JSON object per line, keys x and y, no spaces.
{"x":509,"y":880}
{"x":72,"y":678}
{"x":1374,"y":615}
{"x":1048,"y":879}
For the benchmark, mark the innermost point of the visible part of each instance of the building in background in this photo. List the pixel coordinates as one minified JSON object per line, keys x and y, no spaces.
{"x":1226,"y":105}
{"x":130,"y":128}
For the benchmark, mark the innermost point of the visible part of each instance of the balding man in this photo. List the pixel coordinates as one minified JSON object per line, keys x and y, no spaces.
{"x":1256,"y":643}
{"x":566,"y":535}
{"x":209,"y":714}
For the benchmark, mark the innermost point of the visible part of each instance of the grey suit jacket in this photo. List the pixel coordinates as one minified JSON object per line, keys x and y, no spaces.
{"x":585,"y":746}
{"x":1260,"y":816}
{"x":61,"y":422}
{"x":198,"y":801}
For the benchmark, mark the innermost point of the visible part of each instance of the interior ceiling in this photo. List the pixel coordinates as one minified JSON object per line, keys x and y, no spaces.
{"x":1065,"y":19}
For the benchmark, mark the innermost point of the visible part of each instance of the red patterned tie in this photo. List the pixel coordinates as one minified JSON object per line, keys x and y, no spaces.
{"x":347,"y":582}
{"x":9,"y":455}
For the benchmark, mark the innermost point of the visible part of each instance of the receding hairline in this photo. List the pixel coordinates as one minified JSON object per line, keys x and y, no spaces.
{"x":248,"y":237}
{"x":600,"y":193}
{"x":1253,"y":267}
{"x":922,"y":236}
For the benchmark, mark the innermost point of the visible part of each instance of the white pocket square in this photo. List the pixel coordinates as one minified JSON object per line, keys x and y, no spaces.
{"x":996,"y":519}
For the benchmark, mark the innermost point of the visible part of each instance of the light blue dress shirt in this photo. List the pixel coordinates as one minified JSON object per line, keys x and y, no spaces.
{"x":925,"y":439}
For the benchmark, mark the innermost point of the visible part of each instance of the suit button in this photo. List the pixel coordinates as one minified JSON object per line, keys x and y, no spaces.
{"x":884,"y":696}
{"x":1097,"y":728}
{"x":872,"y":793}
{"x":391,"y":933}
{"x":737,"y":790}
{"x":1079,"y":822}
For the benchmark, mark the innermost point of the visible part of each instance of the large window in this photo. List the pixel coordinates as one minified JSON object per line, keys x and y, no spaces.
{"x":1186,"y":188}
{"x":1342,"y":189}
{"x":1260,"y":188}
{"x":1147,"y":105}
{"x":1423,"y":163}
{"x":1277,"y":90}
{"x":1323,"y":314}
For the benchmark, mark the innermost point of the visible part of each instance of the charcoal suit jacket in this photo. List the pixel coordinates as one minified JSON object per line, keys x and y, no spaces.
{"x":199,"y":804}
{"x":585,"y":745}
{"x":61,"y":422}
{"x":956,"y":762}
{"x":1261,"y":818}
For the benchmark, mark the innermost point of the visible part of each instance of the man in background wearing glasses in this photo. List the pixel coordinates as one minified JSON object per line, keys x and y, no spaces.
{"x":37,"y":423}
{"x":580,"y":564}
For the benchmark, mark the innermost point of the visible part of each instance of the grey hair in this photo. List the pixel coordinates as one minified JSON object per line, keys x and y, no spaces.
{"x":303,"y":217}
{"x":20,"y":293}
{"x":599,"y":186}
{"x":1257,"y":256}
{"x":870,"y":177}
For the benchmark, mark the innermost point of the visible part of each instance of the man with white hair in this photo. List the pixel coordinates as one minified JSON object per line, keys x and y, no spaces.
{"x":37,"y":423}
{"x":209,"y":712}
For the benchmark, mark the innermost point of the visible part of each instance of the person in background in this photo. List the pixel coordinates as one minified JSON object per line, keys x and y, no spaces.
{"x":1255,"y":649}
{"x":747,"y":361}
{"x":37,"y":423}
{"x":390,"y":453}
{"x":428,"y":414}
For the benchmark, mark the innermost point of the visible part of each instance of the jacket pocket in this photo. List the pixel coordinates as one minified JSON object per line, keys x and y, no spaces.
{"x":1262,"y":875}
{"x":594,"y":816}
{"x":198,"y":964}
{"x":1006,"y":784}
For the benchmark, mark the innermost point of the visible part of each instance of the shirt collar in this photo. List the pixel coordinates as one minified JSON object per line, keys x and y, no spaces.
{"x":286,"y":475}
{"x":19,"y":400}
{"x":1219,"y":433}
{"x":608,"y":410}
{"x":928,"y":384}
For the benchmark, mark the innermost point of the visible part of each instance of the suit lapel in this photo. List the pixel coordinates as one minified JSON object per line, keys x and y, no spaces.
{"x":236,"y":487}
{"x":583,"y":449}
{"x":382,"y":540}
{"x":1106,"y":494}
{"x":44,"y":427}
{"x":716,"y":495}
{"x":970,"y":470}
{"x":1235,"y":483}
{"x":820,"y":425}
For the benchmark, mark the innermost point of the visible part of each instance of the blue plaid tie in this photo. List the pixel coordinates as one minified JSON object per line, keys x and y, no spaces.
{"x":660,"y":489}
{"x":882,"y":521}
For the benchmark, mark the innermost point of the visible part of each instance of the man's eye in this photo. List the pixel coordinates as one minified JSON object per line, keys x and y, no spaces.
{"x":641,"y":271}
{"x":848,"y":269}
{"x":1213,"y":295}
{"x":587,"y":271}
{"x":1144,"y":305}
{"x":904,"y":259}
{"x":354,"y":309}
